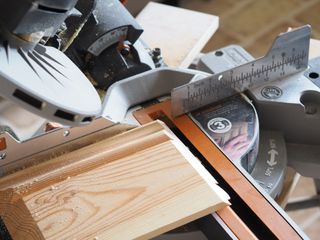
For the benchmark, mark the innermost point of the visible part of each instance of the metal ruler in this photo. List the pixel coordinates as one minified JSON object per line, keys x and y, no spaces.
{"x":288,"y":55}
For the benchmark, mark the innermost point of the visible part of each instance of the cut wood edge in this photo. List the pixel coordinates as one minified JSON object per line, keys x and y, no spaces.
{"x":202,"y":171}
{"x":214,"y":196}
{"x":17,"y":217}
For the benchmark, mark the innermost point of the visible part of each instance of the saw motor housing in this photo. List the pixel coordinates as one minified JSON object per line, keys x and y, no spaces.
{"x":45,"y":83}
{"x":104,"y":36}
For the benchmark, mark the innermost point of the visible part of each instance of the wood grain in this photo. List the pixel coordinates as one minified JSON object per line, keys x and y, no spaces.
{"x":179,"y":33}
{"x":264,"y":210}
{"x":53,"y":170}
{"x":133,"y":186}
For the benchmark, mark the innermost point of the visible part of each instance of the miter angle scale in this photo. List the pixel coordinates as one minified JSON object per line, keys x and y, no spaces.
{"x":39,"y":78}
{"x":288,"y":55}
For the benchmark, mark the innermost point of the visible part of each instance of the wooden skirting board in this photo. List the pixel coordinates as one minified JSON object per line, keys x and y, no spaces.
{"x":135,"y":185}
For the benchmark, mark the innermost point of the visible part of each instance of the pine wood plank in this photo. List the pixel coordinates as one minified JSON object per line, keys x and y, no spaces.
{"x":134,"y":186}
{"x":179,"y":33}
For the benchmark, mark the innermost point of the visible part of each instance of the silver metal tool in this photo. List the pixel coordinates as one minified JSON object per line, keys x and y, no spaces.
{"x":289,"y":115}
{"x":288,"y":55}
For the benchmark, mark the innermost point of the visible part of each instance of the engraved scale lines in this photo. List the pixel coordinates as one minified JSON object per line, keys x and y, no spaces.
{"x":288,"y":55}
{"x":232,"y":80}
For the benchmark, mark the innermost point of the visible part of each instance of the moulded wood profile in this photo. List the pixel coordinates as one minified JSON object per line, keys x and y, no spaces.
{"x":133,"y":186}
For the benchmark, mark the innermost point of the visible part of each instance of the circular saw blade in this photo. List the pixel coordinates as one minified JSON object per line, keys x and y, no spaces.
{"x":44,"y":81}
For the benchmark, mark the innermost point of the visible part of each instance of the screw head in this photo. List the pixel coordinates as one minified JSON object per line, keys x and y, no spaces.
{"x":271,"y":92}
{"x":3,"y":156}
{"x":66,"y":133}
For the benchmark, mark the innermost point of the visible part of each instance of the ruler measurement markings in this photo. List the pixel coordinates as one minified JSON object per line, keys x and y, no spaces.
{"x":248,"y":76}
{"x":275,"y":65}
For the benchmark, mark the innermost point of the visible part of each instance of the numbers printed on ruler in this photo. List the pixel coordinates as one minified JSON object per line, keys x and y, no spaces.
{"x":288,"y":55}
{"x":241,"y":78}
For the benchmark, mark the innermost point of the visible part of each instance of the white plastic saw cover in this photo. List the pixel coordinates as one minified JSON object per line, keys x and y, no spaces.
{"x":47,"y":83}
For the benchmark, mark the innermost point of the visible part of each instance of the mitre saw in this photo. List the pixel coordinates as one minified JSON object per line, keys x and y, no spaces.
{"x":271,"y":124}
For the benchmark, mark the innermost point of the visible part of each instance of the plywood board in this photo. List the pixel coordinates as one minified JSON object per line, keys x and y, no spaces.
{"x":179,"y":33}
{"x":134,"y":186}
